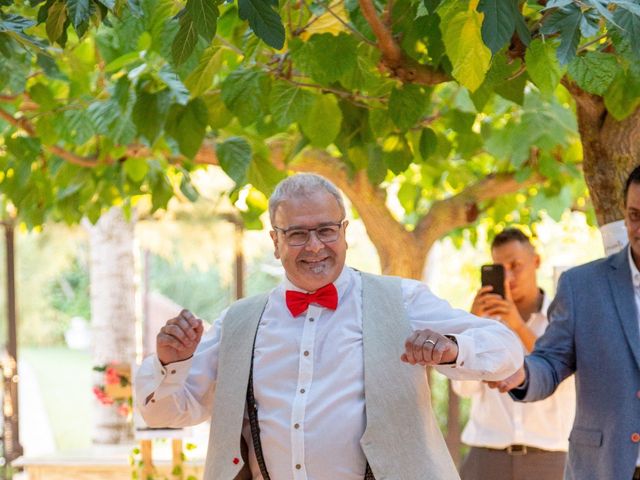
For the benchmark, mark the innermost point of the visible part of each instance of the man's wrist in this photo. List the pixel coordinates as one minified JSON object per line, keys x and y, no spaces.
{"x":455,"y":341}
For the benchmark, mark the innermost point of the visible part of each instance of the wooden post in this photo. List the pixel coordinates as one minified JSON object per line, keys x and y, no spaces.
{"x":147,"y":459}
{"x":12,"y":448}
{"x":177,"y":468}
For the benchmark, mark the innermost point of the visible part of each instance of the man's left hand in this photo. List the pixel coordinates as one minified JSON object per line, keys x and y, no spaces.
{"x":426,"y":347}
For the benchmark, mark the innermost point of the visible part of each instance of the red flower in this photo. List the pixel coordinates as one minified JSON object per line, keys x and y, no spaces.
{"x":124,"y":409}
{"x":111,"y":377}
{"x":102,"y":397}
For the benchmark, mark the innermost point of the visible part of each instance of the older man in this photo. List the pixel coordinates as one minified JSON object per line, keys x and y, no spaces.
{"x":322,"y":378}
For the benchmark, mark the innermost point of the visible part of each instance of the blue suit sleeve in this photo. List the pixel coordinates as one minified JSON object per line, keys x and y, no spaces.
{"x":553,"y":358}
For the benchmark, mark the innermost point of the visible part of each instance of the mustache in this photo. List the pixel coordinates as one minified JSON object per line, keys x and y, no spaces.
{"x":315,"y":256}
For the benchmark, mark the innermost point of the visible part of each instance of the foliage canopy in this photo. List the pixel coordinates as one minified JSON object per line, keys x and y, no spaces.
{"x":105,"y":101}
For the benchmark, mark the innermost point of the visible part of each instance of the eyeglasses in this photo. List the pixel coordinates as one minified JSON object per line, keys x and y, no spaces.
{"x":326,"y":233}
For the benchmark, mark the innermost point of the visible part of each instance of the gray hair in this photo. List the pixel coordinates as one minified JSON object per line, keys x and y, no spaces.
{"x":301,"y":185}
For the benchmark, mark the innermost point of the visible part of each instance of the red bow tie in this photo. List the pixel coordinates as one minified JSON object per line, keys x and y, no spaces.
{"x":298,"y":302}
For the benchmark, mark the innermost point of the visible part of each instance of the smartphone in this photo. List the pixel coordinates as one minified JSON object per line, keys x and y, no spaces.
{"x":493,"y":275}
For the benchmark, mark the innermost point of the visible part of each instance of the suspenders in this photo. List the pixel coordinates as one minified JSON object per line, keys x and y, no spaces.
{"x":252,"y":409}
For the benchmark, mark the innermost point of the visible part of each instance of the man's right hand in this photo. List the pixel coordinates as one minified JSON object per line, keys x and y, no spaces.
{"x":511,"y":382}
{"x":179,"y":338}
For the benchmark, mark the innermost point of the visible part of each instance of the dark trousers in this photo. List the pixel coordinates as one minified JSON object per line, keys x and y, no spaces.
{"x":489,"y":464}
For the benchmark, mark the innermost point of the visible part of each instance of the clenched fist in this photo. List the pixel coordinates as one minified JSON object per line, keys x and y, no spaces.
{"x":179,"y":338}
{"x":426,"y":347}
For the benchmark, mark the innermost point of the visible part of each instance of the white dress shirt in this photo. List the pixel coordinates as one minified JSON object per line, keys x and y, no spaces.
{"x":309,"y":377}
{"x":635,"y":279}
{"x":496,"y":421}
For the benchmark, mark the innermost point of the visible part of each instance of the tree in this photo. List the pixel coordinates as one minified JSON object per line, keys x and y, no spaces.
{"x":405,"y":95}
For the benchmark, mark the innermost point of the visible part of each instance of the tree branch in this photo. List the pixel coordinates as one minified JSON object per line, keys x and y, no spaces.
{"x":394,"y":60}
{"x":461,"y":210}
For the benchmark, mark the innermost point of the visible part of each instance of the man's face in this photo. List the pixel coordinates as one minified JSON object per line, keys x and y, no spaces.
{"x":632,"y":219}
{"x":520,"y":263}
{"x":314,"y":264}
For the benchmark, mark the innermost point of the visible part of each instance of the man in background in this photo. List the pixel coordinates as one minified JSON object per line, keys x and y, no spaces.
{"x":594,"y":332}
{"x":512,"y":441}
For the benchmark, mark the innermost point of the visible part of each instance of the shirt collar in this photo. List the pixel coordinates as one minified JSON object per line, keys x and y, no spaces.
{"x":341,"y":283}
{"x":635,"y":274}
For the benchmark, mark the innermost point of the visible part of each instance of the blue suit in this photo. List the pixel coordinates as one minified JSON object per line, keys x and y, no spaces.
{"x":593,"y":332}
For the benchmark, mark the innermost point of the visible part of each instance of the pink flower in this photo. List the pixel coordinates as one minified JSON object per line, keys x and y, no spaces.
{"x":102,"y":397}
{"x":111,"y":377}
{"x":124,"y":409}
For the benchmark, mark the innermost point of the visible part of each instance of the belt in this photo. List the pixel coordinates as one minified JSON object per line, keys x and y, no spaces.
{"x":519,"y":449}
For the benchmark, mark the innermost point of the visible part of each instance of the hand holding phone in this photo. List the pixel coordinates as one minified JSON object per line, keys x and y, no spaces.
{"x":493,"y":275}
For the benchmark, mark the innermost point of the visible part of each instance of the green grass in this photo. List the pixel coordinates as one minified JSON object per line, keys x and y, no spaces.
{"x":64,"y":377}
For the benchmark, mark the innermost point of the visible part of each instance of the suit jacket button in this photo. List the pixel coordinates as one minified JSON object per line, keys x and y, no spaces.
{"x":635,"y":437}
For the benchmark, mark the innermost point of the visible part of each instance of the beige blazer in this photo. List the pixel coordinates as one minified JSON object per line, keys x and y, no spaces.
{"x":401,"y":441}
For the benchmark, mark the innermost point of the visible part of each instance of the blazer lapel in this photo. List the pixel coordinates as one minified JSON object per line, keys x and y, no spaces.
{"x":624,"y":299}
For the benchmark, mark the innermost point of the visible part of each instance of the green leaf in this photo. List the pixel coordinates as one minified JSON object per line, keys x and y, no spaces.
{"x":376,"y":168}
{"x":542,"y":66}
{"x":407,"y":105}
{"x":289,"y":103}
{"x":15,"y":23}
{"x":79,"y":14}
{"x":245,"y":93}
{"x":623,"y":96}
{"x":594,"y":71}
{"x":234,"y":155}
{"x":219,"y":116}
{"x":55,"y":21}
{"x":629,"y":28}
{"x":321,"y":124}
{"x":396,"y":154}
{"x":190,"y":126}
{"x":187,"y":188}
{"x":499,"y":22}
{"x":263,"y":175}
{"x":431,"y":5}
{"x":149,"y":113}
{"x":205,"y":17}
{"x":263,"y":20}
{"x":428,"y":143}
{"x":185,"y":41}
{"x":326,"y":57}
{"x":466,"y":50}
{"x":566,"y":21}
{"x":201,"y":78}
{"x":136,"y":168}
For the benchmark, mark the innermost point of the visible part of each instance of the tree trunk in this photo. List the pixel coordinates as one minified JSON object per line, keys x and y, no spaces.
{"x":112,"y":312}
{"x":611,"y":149}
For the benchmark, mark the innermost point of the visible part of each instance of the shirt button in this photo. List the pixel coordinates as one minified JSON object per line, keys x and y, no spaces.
{"x":306,"y":353}
{"x":173,"y":372}
{"x":311,"y":319}
{"x":298,"y":466}
{"x":302,"y":390}
{"x":635,"y":437}
{"x":296,"y":425}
